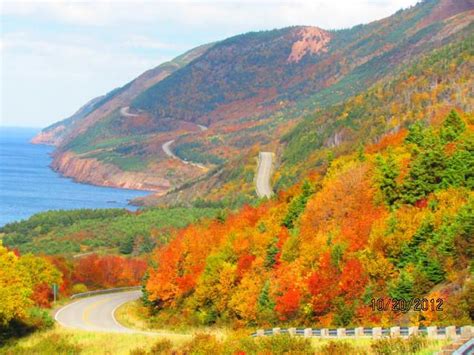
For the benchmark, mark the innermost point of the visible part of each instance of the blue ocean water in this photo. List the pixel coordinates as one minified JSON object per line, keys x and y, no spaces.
{"x":29,"y":186}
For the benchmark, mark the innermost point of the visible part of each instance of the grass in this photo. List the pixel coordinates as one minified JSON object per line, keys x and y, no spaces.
{"x":68,"y":341}
{"x":135,"y":315}
{"x":59,"y":340}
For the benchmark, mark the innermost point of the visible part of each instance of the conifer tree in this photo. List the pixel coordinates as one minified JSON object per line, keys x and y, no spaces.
{"x":426,"y":171}
{"x":388,"y":173}
{"x":453,"y":126}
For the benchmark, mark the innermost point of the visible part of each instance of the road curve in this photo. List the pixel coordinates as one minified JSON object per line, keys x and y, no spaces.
{"x":167,"y":149}
{"x":264,"y":171}
{"x":96,"y":313}
{"x":124,"y":112}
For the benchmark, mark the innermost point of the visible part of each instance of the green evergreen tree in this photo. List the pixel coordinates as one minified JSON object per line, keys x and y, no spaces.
{"x":416,"y":133}
{"x":453,"y":126}
{"x":265,"y":302}
{"x":126,"y":245}
{"x":272,"y":252}
{"x":412,"y":252}
{"x":432,"y":268}
{"x":402,"y":288}
{"x":459,"y":170}
{"x":388,"y":174}
{"x":297,"y":205}
{"x":426,"y":171}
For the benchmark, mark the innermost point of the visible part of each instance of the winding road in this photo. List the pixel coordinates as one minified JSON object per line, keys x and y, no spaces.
{"x":97,"y":313}
{"x":167,"y":149}
{"x":264,"y":171}
{"x":124,"y":112}
{"x":265,"y":161}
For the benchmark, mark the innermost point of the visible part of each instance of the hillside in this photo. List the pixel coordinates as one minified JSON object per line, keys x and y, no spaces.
{"x":426,"y":89}
{"x":247,"y":90}
{"x":382,"y":209}
{"x":98,"y":108}
{"x":390,"y":221}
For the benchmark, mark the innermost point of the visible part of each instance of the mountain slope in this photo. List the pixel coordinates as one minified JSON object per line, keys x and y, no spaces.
{"x":100,"y":107}
{"x":246,"y":89}
{"x":426,"y":89}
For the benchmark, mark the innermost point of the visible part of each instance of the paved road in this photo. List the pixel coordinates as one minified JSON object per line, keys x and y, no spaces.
{"x":96,"y":313}
{"x":124,"y":112}
{"x":167,"y":149}
{"x":264,"y":171}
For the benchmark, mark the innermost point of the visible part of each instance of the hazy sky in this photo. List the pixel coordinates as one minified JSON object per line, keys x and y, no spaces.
{"x":57,"y":55}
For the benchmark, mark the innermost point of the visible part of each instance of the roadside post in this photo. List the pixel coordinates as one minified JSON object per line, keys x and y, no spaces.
{"x":55,"y":292}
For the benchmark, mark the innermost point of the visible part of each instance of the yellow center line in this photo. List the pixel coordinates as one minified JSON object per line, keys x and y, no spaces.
{"x":90,"y":308}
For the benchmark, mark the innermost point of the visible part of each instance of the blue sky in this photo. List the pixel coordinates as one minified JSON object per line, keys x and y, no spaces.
{"x":56,"y":55}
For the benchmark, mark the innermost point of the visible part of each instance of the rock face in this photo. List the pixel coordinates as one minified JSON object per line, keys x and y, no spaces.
{"x":50,"y":137}
{"x":95,"y":172}
{"x":312,"y":41}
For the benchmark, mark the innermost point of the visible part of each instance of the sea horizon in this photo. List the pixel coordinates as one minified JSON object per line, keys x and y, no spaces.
{"x":28,"y":185}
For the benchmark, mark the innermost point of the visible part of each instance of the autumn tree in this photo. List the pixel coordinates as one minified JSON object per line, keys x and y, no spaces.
{"x":15,"y":288}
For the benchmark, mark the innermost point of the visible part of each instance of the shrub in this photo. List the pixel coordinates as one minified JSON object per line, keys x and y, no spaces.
{"x":336,"y":348}
{"x":416,"y":343}
{"x":39,"y":319}
{"x":161,"y":347}
{"x":389,"y":346}
{"x":79,"y":288}
{"x":283,"y":344}
{"x":204,"y":344}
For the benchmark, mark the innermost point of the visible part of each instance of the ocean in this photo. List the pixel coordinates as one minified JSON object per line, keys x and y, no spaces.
{"x":29,"y":186}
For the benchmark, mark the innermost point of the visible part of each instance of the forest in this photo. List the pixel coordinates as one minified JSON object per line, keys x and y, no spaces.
{"x":104,"y":230}
{"x":391,"y":220}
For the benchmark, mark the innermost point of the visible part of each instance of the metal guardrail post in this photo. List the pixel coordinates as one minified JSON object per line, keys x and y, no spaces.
{"x":377,"y":332}
{"x":395,"y":332}
{"x":324,"y":333}
{"x":292,"y":331}
{"x":308,"y":332}
{"x":359,"y":332}
{"x":276,"y":331}
{"x":432,"y":332}
{"x":413,"y":331}
{"x":467,"y":331}
{"x":260,"y":332}
{"x":451,"y":332}
{"x":341,"y":332}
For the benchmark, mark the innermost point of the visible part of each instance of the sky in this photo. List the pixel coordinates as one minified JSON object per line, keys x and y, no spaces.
{"x":57,"y":55}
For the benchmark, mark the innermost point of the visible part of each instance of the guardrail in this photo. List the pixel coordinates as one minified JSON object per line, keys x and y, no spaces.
{"x":101,"y":292}
{"x":435,"y":332}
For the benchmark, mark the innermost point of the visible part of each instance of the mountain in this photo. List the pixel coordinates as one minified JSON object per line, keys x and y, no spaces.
{"x":247,"y":91}
{"x":102,"y":106}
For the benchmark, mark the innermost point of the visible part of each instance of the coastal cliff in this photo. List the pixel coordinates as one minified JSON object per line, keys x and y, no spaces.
{"x":93,"y":171}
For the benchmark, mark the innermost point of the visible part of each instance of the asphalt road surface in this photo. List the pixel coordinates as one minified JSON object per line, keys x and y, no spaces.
{"x":124,"y":112}
{"x":167,"y":149}
{"x":96,"y":313}
{"x":264,"y":171}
